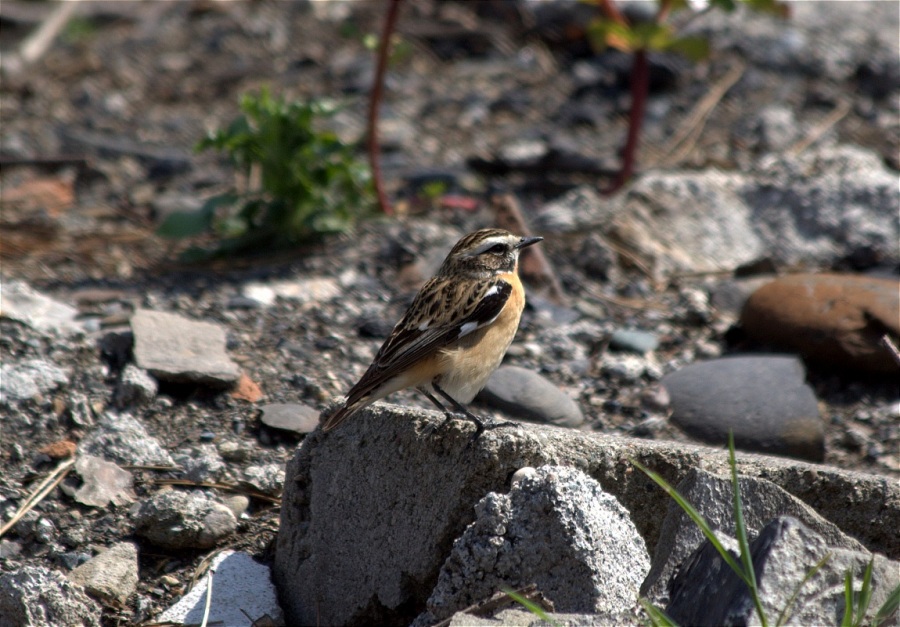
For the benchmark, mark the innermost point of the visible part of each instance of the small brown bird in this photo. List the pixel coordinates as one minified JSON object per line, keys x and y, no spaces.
{"x":456,"y":331}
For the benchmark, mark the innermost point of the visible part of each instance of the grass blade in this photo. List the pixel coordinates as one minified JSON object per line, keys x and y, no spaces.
{"x":741,"y":534}
{"x":786,"y":611}
{"x":888,"y":609}
{"x":694,"y":515}
{"x":847,"y":620}
{"x":658,"y":618}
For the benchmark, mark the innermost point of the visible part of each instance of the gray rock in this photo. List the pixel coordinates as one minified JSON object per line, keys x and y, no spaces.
{"x":200,"y":463}
{"x":633,"y":341}
{"x":22,"y":380}
{"x":711,"y":495}
{"x":135,"y":387}
{"x":763,"y":399}
{"x":183,"y":520}
{"x":242,"y":593}
{"x":267,"y":478}
{"x":555,"y":528}
{"x":40,"y":312}
{"x":121,"y":438}
{"x":111,"y":575}
{"x":708,"y":592}
{"x":687,"y":221}
{"x":825,"y":204}
{"x":813,"y":208}
{"x":294,"y":417}
{"x":237,"y":503}
{"x":34,"y":596}
{"x":176,"y":349}
{"x":102,"y":483}
{"x":524,"y":394}
{"x":371,"y":510}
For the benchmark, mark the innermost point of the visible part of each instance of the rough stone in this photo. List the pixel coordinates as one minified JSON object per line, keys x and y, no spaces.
{"x":183,"y":520}
{"x":708,"y":592}
{"x":135,"y":387}
{"x":830,"y":319}
{"x":173,"y":348}
{"x":711,"y":496}
{"x":123,"y":439}
{"x":294,"y":417}
{"x":371,"y":510}
{"x":267,"y":478}
{"x":38,"y":311}
{"x":25,"y":379}
{"x":527,"y":395}
{"x":763,"y":399}
{"x":34,"y":596}
{"x":102,"y":483}
{"x":111,"y":575}
{"x":557,"y":529}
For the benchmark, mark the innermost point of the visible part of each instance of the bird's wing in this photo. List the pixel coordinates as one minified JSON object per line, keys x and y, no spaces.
{"x":444,"y":311}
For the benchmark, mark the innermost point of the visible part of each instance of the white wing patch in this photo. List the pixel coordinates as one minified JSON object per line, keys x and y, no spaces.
{"x":494,"y":289}
{"x":467,"y":328}
{"x":424,"y":326}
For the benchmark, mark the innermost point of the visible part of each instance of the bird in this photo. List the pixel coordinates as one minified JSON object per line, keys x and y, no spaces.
{"x":454,"y":333}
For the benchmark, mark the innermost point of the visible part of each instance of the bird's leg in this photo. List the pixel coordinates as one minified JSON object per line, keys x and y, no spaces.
{"x":448,"y":415}
{"x":480,"y":425}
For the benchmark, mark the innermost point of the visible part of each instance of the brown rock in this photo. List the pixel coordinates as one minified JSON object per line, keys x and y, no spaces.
{"x":830,"y":319}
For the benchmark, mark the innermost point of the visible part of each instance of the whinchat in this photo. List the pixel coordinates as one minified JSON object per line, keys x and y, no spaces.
{"x":456,"y":331}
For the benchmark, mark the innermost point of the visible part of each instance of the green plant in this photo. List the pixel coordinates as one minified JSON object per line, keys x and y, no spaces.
{"x":853,"y":614}
{"x":612,"y":29}
{"x":300,"y":180}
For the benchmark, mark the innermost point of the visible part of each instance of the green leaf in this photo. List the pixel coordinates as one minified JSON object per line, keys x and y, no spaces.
{"x":694,"y":48}
{"x":847,"y":619}
{"x":180,"y":224}
{"x":888,"y":609}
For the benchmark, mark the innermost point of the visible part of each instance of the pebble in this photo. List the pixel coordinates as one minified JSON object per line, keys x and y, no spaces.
{"x":26,"y":379}
{"x":763,"y":399}
{"x":312,"y":289}
{"x":831,"y":319}
{"x":266,"y":478}
{"x":293,"y":417}
{"x":242,"y":593}
{"x":624,"y":367}
{"x":527,"y":395}
{"x":123,"y":439}
{"x":38,"y":311}
{"x":237,"y":503}
{"x":110,"y":576}
{"x":633,"y":341}
{"x":176,"y":349}
{"x":36,"y":595}
{"x":103,"y":483}
{"x":200,"y":463}
{"x":183,"y":520}
{"x":135,"y":387}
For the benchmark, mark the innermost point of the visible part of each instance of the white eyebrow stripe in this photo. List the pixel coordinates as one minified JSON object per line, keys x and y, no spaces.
{"x":488,"y":243}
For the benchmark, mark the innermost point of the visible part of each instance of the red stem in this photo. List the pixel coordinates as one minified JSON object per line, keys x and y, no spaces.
{"x":384,"y":47}
{"x":639,"y":88}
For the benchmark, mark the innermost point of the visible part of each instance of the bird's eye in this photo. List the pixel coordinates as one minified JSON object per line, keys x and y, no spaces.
{"x":497,"y":249}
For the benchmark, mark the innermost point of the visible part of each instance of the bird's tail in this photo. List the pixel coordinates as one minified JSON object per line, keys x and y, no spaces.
{"x":344,"y":411}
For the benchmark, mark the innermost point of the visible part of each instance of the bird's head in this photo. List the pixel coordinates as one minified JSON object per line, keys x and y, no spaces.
{"x":486,"y":252}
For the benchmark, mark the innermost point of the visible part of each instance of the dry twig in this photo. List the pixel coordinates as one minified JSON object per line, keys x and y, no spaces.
{"x":44,"y":488}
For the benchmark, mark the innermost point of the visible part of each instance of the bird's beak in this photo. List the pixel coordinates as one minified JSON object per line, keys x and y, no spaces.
{"x":528,"y":241}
